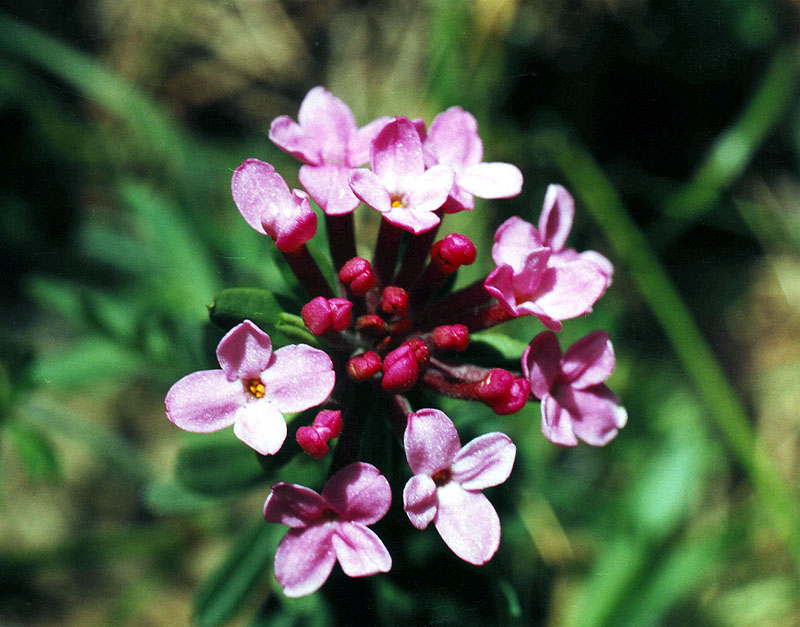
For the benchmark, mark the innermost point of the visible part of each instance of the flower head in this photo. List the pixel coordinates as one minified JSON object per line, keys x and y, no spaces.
{"x":447,"y":482}
{"x":575,"y":401}
{"x":252,"y":389}
{"x":328,"y":141}
{"x":265,"y":202}
{"x":399,"y":186}
{"x":453,"y":140}
{"x":329,"y":527}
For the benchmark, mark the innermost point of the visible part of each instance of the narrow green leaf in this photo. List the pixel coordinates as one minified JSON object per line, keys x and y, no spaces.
{"x":90,"y":361}
{"x":223,"y":594}
{"x":35,"y":451}
{"x":218,"y":467}
{"x":232,"y":306}
{"x":294,"y":328}
{"x":168,"y":498}
{"x":494,"y":350}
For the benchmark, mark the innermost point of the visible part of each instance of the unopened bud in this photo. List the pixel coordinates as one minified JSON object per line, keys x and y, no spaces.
{"x":364,"y":366}
{"x":394,"y":300}
{"x":451,"y":337}
{"x":312,"y":442}
{"x":400,"y":369}
{"x":452,"y":252}
{"x":358,"y":276}
{"x":372,"y":324}
{"x":503,"y":392}
{"x":321,"y":314}
{"x":420,"y":351}
{"x":328,"y":423}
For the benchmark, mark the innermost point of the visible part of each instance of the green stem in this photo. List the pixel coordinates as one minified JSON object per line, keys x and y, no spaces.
{"x":600,"y":197}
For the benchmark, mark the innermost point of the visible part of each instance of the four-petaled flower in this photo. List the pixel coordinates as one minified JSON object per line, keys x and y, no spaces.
{"x":399,"y":186}
{"x":536,"y":275}
{"x":453,"y":140}
{"x":447,"y":482}
{"x":329,"y":527}
{"x":253,"y":388}
{"x":575,"y":401}
{"x":328,"y":141}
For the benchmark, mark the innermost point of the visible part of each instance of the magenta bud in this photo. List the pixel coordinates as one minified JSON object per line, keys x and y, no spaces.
{"x":516,"y":398}
{"x":372,"y":324}
{"x":328,"y":423}
{"x":317,"y":315}
{"x":452,"y":252}
{"x":312,"y":442}
{"x":420,"y":351}
{"x":357,"y":275}
{"x":340,"y":313}
{"x":362,"y":367}
{"x":495,"y":386}
{"x":394,"y":300}
{"x":451,"y":337}
{"x":400,"y":369}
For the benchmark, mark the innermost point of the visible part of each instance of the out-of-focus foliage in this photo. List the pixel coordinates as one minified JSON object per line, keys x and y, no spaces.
{"x":677,"y":127}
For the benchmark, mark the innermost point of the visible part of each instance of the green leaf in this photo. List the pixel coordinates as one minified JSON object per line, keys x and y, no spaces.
{"x":218,"y":467}
{"x":88,"y":362}
{"x":295,"y":329}
{"x":167,"y":498}
{"x":227,"y":589}
{"x":232,"y":306}
{"x":35,"y":451}
{"x":494,"y":350}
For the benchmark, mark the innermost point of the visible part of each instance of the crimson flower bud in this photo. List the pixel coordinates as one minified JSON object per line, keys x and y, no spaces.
{"x":358,"y":276}
{"x":362,"y":367}
{"x":516,"y":398}
{"x":400,"y":369}
{"x":504,"y":393}
{"x":394,"y":300}
{"x":340,"y":313}
{"x":321,"y":314}
{"x":452,"y":337}
{"x":420,"y":351}
{"x":452,"y":252}
{"x":328,"y":423}
{"x":372,"y":324}
{"x":312,"y":442}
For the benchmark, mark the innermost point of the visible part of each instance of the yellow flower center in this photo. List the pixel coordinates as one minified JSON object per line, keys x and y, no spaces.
{"x":397,"y":203}
{"x":255,"y":387}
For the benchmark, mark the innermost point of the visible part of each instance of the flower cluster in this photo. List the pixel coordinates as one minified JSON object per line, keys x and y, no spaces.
{"x":389,"y":326}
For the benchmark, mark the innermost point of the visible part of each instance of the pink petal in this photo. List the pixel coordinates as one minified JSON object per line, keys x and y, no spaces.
{"x":453,"y":138}
{"x":292,"y":223}
{"x":360,"y":551}
{"x":261,"y":426}
{"x":329,"y":186}
{"x":431,"y":189}
{"x":589,"y":361}
{"x":359,"y":147}
{"x":397,"y":155}
{"x":412,"y":221}
{"x":299,"y":377}
{"x":329,"y":121}
{"x":369,"y":188}
{"x":541,"y":363}
{"x":244,"y":351}
{"x":204,"y":401}
{"x":254,"y":186}
{"x":293,"y":505}
{"x":530,"y":276}
{"x":570,"y":290}
{"x":359,"y":493}
{"x":500,"y":284}
{"x":514,"y":241}
{"x":289,"y":136}
{"x":491,"y":180}
{"x":458,"y":200}
{"x":557,"y":423}
{"x":556,"y":219}
{"x":420,"y":501}
{"x":431,"y":441}
{"x":484,"y":462}
{"x":468,"y":524}
{"x":595,"y":413}
{"x":304,"y":559}
{"x":601,"y":261}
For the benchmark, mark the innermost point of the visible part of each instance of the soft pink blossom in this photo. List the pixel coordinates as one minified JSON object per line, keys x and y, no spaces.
{"x":575,"y":401}
{"x":265,"y":202}
{"x":536,"y":275}
{"x":328,"y":141}
{"x":453,"y":140}
{"x":447,"y":483}
{"x":329,"y":527}
{"x":253,"y":388}
{"x":399,"y":186}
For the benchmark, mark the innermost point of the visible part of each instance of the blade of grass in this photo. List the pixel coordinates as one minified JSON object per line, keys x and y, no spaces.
{"x":599,"y":196}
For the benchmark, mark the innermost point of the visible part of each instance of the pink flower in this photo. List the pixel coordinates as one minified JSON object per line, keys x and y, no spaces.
{"x":399,"y":186}
{"x":535,"y":275}
{"x":328,"y":141}
{"x":265,"y":202}
{"x":453,"y":140}
{"x":329,"y":527}
{"x":447,"y":482}
{"x":254,"y":387}
{"x":575,"y":401}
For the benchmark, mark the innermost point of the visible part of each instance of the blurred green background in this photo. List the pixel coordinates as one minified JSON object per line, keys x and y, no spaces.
{"x":676,"y":125}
